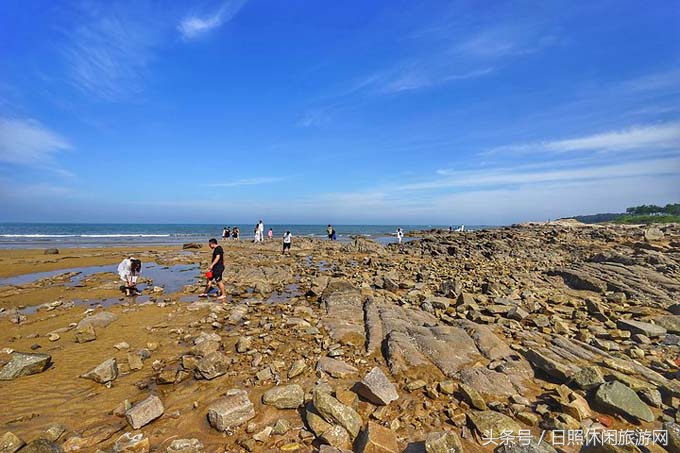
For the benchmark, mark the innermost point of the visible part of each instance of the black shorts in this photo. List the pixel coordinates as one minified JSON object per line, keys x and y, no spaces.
{"x":286,"y":246}
{"x":217,"y":274}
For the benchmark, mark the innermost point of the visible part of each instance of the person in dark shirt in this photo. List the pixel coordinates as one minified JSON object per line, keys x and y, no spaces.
{"x":217,"y":269}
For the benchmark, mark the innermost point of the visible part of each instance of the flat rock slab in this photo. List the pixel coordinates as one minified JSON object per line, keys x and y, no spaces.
{"x":377,"y":388}
{"x":10,"y":443}
{"x":145,"y":412}
{"x":24,"y":364}
{"x":621,"y":399}
{"x":443,"y":442}
{"x":644,"y":328}
{"x":335,"y":368}
{"x":42,"y":446}
{"x":101,"y":319}
{"x":492,"y":422}
{"x":671,"y":323}
{"x":233,"y":410}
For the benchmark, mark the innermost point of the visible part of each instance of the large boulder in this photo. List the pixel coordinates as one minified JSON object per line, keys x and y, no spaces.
{"x":233,"y":410}
{"x":377,"y":388}
{"x":24,"y":364}
{"x":618,"y":398}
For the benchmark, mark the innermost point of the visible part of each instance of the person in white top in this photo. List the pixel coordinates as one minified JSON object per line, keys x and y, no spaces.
{"x":129,"y":270}
{"x":400,"y":235}
{"x":287,"y":241}
{"x":259,"y":232}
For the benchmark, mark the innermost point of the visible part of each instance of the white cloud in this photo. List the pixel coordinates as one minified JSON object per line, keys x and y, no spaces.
{"x":659,"y":136}
{"x":27,"y":142}
{"x":193,"y":26}
{"x":248,"y":182}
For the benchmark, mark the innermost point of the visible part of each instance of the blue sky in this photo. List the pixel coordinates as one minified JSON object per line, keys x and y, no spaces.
{"x":345,"y":112}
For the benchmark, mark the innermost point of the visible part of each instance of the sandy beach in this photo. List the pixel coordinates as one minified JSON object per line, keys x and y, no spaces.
{"x":513,"y":328}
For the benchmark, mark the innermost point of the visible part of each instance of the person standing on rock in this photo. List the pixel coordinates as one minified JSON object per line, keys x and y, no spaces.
{"x":236,"y":233}
{"x":270,"y":234}
{"x":129,"y":270}
{"x":215,"y":270}
{"x":329,"y":230}
{"x":400,"y":235}
{"x":225,"y":233}
{"x":287,"y":242}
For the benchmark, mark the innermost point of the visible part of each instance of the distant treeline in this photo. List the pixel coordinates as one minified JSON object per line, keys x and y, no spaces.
{"x":646,"y":213}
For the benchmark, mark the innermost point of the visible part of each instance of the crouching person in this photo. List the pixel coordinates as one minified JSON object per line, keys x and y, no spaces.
{"x":129,"y":270}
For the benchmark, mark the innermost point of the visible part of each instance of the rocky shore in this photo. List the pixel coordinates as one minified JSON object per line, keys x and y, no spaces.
{"x":449,"y":343}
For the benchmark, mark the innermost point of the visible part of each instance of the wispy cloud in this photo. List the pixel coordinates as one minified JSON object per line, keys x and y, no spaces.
{"x":27,"y":142}
{"x":659,"y":81}
{"x":193,"y":26}
{"x":551,"y":172}
{"x":108,"y":55}
{"x":658,"y":136}
{"x":420,"y":79}
{"x":503,"y":41}
{"x":248,"y":182}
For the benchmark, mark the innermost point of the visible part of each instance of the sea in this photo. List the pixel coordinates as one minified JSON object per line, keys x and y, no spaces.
{"x":65,"y":235}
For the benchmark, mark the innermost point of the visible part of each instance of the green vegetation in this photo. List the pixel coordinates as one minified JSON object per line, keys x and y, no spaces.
{"x":644,"y":214}
{"x":647,"y":219}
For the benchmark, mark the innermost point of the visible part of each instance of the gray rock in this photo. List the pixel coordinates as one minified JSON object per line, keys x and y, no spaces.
{"x":51,"y":252}
{"x":103,"y":373}
{"x":100,"y":319}
{"x":42,"y":446}
{"x":244,"y":344}
{"x":185,"y":446}
{"x":10,"y":443}
{"x":549,"y":366}
{"x":587,"y":378}
{"x":653,"y":234}
{"x":24,"y":364}
{"x":211,"y":366}
{"x":472,"y":397}
{"x":651,"y":396}
{"x":671,"y":323}
{"x":144,"y":412}
{"x":543,"y":447}
{"x":486,"y":422}
{"x":297,"y":368}
{"x":336,"y":368}
{"x":233,"y":410}
{"x":334,"y":412}
{"x":284,"y":397}
{"x":86,"y":334}
{"x":443,"y":442}
{"x":673,"y":430}
{"x":377,"y":388}
{"x":620,"y":399}
{"x":130,"y":442}
{"x":644,"y":328}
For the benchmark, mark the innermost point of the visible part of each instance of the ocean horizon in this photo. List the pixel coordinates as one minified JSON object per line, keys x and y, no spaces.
{"x":45,"y":235}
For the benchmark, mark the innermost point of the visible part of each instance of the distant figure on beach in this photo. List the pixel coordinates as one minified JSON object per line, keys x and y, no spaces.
{"x":259,"y":232}
{"x":460,"y":229}
{"x":270,"y":234}
{"x":334,"y":237}
{"x":400,"y":235}
{"x":129,"y":270}
{"x":235,"y":233}
{"x":215,"y":271}
{"x":287,"y":240}
{"x":226,"y":233}
{"x":329,"y":230}
{"x":450,"y":228}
